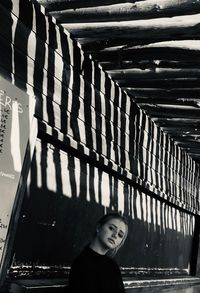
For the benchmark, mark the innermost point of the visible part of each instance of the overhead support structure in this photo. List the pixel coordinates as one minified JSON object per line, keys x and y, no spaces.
{"x":151,"y":49}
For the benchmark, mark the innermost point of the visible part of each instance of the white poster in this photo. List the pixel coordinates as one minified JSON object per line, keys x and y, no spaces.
{"x":16,"y":113}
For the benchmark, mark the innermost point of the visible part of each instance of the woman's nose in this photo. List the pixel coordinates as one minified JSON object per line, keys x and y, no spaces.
{"x":114,"y":235}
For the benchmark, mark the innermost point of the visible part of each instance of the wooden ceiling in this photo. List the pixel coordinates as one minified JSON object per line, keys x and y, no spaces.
{"x":151,"y":48}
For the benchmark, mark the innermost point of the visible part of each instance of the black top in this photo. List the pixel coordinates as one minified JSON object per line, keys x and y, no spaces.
{"x":95,"y":273}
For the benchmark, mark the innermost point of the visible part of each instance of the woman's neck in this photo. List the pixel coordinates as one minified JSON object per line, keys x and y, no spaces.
{"x":98,"y":247}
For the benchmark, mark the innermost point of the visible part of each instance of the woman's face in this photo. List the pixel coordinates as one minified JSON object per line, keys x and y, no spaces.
{"x":112,"y":233}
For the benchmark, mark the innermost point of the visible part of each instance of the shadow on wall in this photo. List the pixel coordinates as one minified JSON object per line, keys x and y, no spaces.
{"x":68,"y":195}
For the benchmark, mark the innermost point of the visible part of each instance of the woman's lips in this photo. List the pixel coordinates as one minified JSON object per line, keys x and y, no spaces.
{"x":111,"y":240}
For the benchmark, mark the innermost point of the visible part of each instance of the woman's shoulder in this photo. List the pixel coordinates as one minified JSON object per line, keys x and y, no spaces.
{"x":82,"y":255}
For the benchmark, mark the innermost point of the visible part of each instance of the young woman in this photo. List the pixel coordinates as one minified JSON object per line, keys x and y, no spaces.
{"x":94,"y":270}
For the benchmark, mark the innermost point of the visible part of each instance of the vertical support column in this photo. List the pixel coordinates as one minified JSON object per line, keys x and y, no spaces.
{"x":195,"y":256}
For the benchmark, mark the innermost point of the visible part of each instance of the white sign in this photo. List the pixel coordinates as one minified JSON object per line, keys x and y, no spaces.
{"x":16,"y":113}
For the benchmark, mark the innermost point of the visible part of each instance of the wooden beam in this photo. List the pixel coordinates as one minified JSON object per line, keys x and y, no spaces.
{"x":194,"y":150}
{"x":195,"y":102}
{"x":179,"y":122}
{"x":189,"y":144}
{"x":160,"y":83}
{"x":74,"y":4}
{"x":194,"y":153}
{"x":155,"y":73}
{"x":95,"y":44}
{"x":154,"y":92}
{"x":113,"y":44}
{"x":139,"y":29}
{"x":184,"y":137}
{"x":127,"y":11}
{"x":123,"y":44}
{"x":149,"y":64}
{"x":180,"y":130}
{"x":184,"y":127}
{"x":166,"y":112}
{"x":151,"y":53}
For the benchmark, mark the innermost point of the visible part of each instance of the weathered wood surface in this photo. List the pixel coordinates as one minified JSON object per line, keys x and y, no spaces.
{"x":125,"y":11}
{"x":161,"y":83}
{"x":182,"y":27}
{"x":63,"y":4}
{"x":188,"y":113}
{"x":139,"y":54}
{"x":155,"y":73}
{"x":149,"y":64}
{"x":178,"y":93}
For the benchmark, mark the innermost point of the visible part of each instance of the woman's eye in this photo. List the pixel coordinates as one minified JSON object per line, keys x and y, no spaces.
{"x":111,"y":228}
{"x":120,"y":235}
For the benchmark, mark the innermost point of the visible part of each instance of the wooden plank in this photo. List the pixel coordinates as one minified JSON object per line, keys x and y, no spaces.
{"x":167,"y":100}
{"x":171,"y":92}
{"x":160,"y":83}
{"x":140,"y":53}
{"x":190,"y":113}
{"x":155,"y":73}
{"x":182,"y":27}
{"x":62,"y":4}
{"x":148,"y":64}
{"x":177,"y":125}
{"x":125,"y":11}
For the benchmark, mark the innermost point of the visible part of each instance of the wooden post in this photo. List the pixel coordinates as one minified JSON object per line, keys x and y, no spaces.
{"x":195,"y":257}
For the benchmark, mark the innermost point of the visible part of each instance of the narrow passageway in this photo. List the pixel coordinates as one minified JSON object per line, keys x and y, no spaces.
{"x":99,"y":114}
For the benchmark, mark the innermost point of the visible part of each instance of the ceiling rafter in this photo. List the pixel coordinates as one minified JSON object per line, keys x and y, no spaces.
{"x":154,"y":73}
{"x":127,"y":11}
{"x":148,"y":53}
{"x":170,"y":101}
{"x":150,"y":64}
{"x":165,"y":112}
{"x":174,"y":26}
{"x":189,"y":125}
{"x":74,"y":4}
{"x":164,"y":83}
{"x":190,"y":93}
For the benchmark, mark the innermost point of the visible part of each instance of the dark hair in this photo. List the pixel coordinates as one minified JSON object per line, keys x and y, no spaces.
{"x":103,"y":220}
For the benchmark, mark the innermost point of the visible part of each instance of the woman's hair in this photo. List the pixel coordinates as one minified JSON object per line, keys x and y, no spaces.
{"x":103,"y":220}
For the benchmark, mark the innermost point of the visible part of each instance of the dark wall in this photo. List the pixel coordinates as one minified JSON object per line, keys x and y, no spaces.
{"x":66,"y":197}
